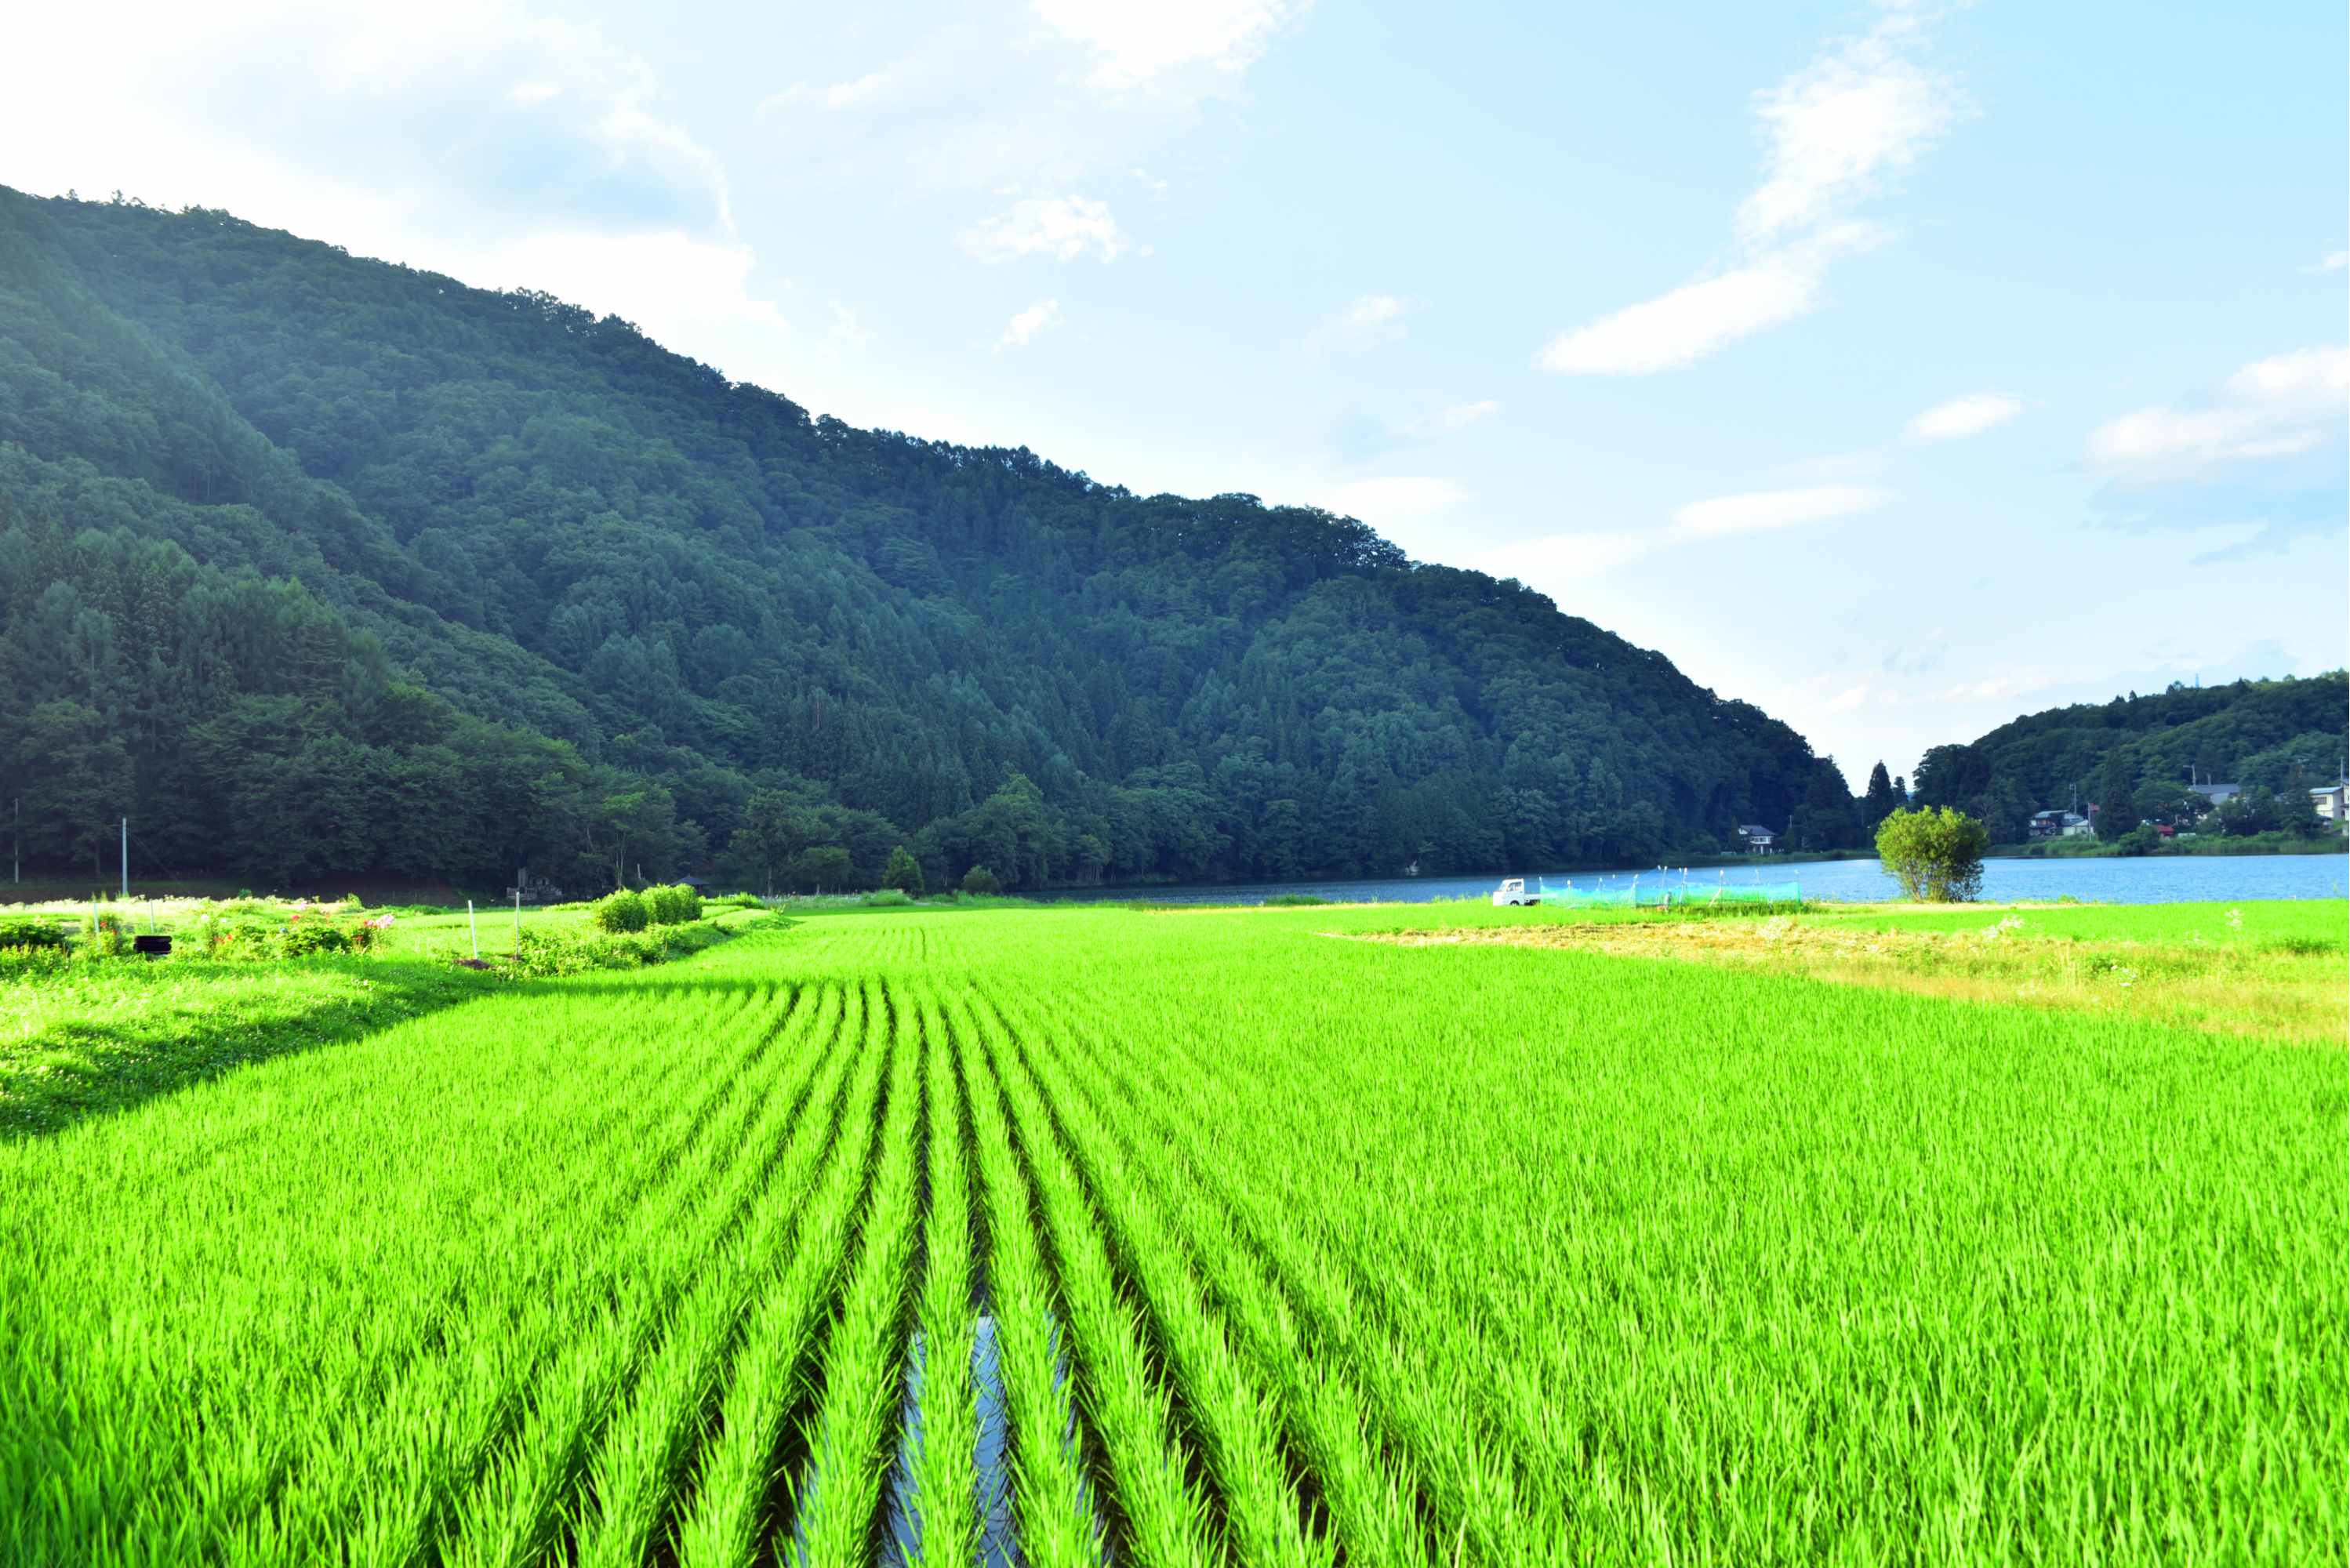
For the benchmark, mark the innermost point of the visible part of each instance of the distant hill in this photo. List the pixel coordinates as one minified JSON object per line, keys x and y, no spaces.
{"x":314,"y":564}
{"x":2250,"y":732}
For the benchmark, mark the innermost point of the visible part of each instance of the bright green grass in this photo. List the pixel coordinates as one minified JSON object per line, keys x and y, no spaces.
{"x":1289,"y":1246}
{"x":81,"y":1039}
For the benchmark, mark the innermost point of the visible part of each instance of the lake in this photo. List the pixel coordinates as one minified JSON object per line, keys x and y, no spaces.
{"x":2162,"y":879}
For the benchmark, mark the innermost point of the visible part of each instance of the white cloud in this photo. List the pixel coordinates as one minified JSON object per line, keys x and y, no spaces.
{"x":1041,"y":96}
{"x":1138,"y":39}
{"x":1760,"y":509}
{"x":1372,"y":320}
{"x":1700,"y":319}
{"x":2338,"y":259}
{"x":1960,"y":416}
{"x":2281,"y":407}
{"x":1358,"y":437}
{"x":505,"y":149}
{"x":1585,"y":554}
{"x":1037,"y":318}
{"x":845,"y":326}
{"x":1840,"y":130}
{"x":1459,"y":416}
{"x":1062,"y":227}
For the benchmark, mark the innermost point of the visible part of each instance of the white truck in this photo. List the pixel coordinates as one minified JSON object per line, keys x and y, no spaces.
{"x":1514,"y":891}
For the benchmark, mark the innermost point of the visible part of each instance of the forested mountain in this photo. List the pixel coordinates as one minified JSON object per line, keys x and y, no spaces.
{"x":2255,"y":733}
{"x":311,"y":564}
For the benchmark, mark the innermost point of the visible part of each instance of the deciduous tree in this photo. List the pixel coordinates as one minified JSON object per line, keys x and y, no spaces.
{"x":1935,"y":855}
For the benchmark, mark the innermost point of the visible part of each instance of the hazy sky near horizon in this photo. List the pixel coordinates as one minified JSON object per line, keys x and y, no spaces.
{"x":1900,"y":369}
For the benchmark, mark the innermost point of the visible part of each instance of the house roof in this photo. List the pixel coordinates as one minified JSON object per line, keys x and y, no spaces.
{"x":2217,"y":792}
{"x":1753,"y":830}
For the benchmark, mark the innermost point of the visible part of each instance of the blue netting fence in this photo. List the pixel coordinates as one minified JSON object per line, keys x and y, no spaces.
{"x":1665,"y":895}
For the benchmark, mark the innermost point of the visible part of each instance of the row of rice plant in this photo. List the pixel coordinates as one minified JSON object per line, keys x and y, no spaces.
{"x":1090,"y":1237}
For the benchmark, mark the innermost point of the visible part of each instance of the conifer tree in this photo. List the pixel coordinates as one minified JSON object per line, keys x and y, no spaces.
{"x":2115,"y":815}
{"x":1877,"y":803}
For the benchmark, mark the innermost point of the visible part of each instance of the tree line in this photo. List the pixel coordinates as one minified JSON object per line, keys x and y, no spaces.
{"x":2137,"y":758}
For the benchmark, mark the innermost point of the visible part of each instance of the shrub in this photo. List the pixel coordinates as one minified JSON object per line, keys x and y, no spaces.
{"x":30,"y":933}
{"x":679,"y":905}
{"x":1935,"y":855}
{"x":622,"y":912}
{"x":979,"y":879}
{"x":107,"y":934}
{"x":1286,"y":900}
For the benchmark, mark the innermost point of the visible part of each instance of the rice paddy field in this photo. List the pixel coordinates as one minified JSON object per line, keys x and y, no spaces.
{"x":1307,"y":1237}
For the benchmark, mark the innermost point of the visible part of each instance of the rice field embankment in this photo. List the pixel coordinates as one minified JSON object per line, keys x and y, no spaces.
{"x":1113,"y":1238}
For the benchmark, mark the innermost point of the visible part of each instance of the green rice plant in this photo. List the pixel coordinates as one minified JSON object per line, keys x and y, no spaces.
{"x":727,"y":1520}
{"x":516,"y":1511}
{"x":943,"y":1464}
{"x":1239,"y":1425}
{"x":1383,"y":1398}
{"x":254,"y":1398}
{"x":848,"y":1436}
{"x":1123,"y":1401}
{"x":1054,"y":1507}
{"x":644,"y":1453}
{"x":1296,"y":1249}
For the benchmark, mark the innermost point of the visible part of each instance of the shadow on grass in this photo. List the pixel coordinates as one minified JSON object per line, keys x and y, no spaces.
{"x":92,"y":1039}
{"x":82,"y":1039}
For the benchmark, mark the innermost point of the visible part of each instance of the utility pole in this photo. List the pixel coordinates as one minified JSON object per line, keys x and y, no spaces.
{"x":16,"y":873}
{"x":517,"y":925}
{"x":126,"y":857}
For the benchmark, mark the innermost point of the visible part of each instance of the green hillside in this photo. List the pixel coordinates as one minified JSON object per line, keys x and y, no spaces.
{"x":2255,"y":733}
{"x":314,"y":564}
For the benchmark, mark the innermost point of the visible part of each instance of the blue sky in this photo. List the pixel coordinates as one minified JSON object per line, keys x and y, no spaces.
{"x":1900,"y":369}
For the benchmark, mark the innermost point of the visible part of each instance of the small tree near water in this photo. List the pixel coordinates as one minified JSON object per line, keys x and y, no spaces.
{"x":905,"y":873}
{"x":1935,"y":855}
{"x":979,"y":879}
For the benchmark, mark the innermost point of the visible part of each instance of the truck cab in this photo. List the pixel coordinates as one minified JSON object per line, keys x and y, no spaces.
{"x":1514,"y":891}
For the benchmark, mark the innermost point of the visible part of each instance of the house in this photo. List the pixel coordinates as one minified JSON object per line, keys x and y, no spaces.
{"x":2059,"y":825}
{"x":1755,"y":838}
{"x":2329,"y":801}
{"x":2218,"y":795}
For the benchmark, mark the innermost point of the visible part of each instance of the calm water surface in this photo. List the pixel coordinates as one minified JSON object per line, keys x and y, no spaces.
{"x":2181,"y":879}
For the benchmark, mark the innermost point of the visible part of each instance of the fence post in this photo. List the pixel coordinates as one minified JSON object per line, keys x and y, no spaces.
{"x":475,"y":928}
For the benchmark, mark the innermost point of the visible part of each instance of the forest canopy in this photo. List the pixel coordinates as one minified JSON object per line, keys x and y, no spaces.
{"x":314,"y":564}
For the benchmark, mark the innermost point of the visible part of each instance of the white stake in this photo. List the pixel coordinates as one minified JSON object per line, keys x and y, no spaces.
{"x":473,"y":925}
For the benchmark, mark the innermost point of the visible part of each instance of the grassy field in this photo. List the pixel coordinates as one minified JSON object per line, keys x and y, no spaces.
{"x":81,"y":1038}
{"x":1281,"y":1237}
